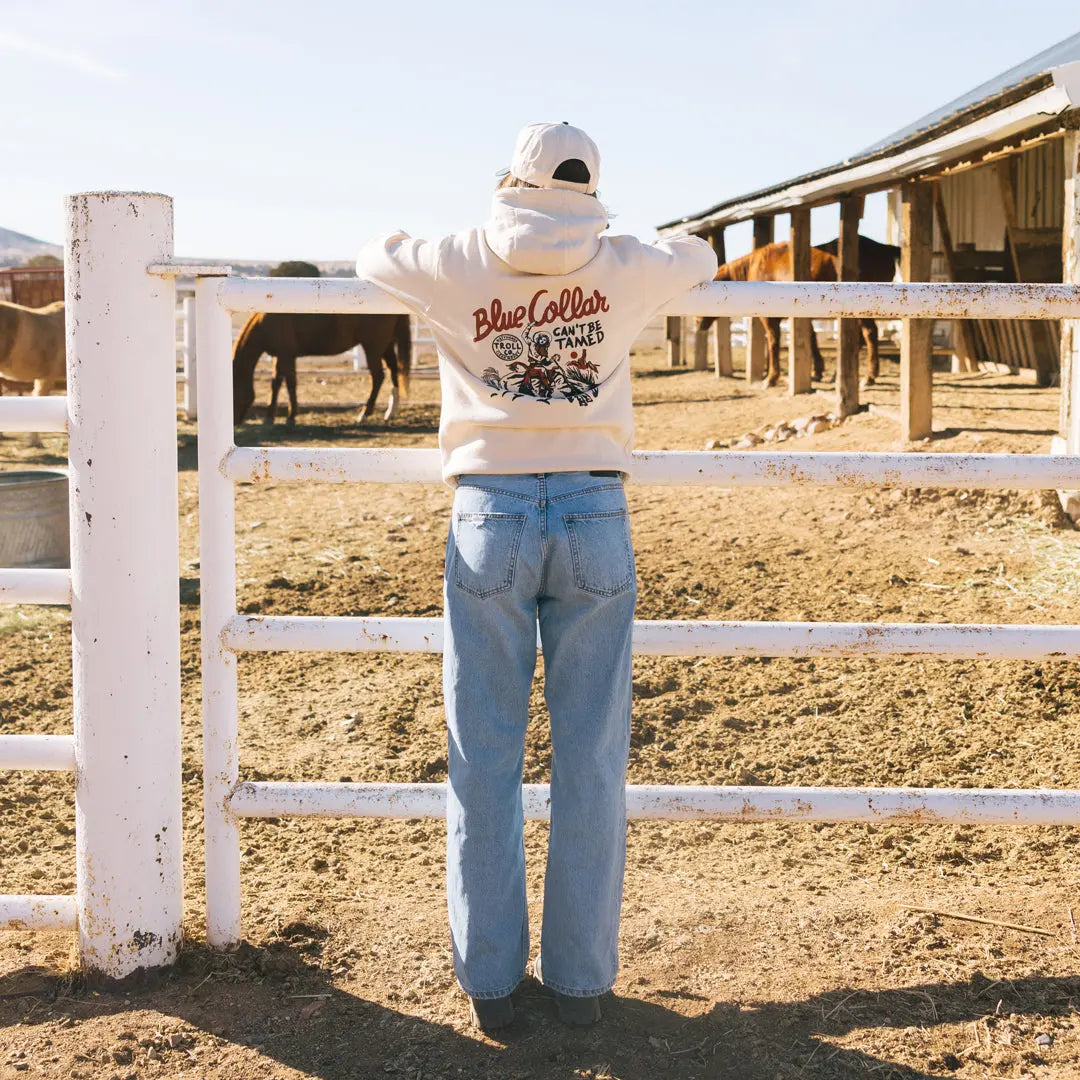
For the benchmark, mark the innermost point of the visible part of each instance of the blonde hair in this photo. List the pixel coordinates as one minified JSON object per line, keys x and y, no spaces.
{"x":511,"y":181}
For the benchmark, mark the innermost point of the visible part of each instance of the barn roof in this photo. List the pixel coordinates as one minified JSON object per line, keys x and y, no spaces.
{"x":1024,"y":96}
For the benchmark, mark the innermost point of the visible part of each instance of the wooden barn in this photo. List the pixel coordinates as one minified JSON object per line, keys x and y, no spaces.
{"x":985,"y":188}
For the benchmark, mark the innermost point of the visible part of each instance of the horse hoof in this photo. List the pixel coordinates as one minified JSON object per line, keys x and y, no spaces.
{"x":869,"y":380}
{"x":361,"y":416}
{"x":770,"y":382}
{"x":290,"y":422}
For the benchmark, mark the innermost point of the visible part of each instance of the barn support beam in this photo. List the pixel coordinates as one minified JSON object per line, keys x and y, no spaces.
{"x":799,"y":364}
{"x":125,"y":606}
{"x":755,"y":333}
{"x":1069,"y":439}
{"x":965,"y":343}
{"x":1070,"y":266}
{"x":673,"y":332}
{"x":1034,"y":357}
{"x":722,"y":327}
{"x":916,"y":345}
{"x":847,"y":340}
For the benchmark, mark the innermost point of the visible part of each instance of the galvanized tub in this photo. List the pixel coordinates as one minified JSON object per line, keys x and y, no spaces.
{"x":34,"y":518}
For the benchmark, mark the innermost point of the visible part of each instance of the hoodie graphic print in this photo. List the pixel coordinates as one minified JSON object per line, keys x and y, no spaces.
{"x":533,"y":316}
{"x":548,"y":358}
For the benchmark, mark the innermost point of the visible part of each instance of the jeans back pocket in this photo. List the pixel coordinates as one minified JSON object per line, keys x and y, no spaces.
{"x":601,"y":551}
{"x":485,"y":551}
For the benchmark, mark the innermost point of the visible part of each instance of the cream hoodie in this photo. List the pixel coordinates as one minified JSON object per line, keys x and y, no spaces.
{"x":533,"y":316}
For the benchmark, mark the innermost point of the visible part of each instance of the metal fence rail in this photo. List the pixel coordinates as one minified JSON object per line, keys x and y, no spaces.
{"x":970,"y":806}
{"x":33,"y":414}
{"x":726,"y":469}
{"x":226,"y":634}
{"x":681,"y":637}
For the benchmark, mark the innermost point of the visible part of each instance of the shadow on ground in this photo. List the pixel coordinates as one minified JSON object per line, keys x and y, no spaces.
{"x":264,"y":1006}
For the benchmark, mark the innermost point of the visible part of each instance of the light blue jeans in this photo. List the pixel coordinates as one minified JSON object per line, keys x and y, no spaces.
{"x":552,"y":548}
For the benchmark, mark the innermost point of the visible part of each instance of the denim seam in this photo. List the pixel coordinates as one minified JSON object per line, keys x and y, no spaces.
{"x":575,"y":556}
{"x":498,"y":491}
{"x":585,"y":491}
{"x":488,"y":995}
{"x":568,"y":991}
{"x":508,"y":584}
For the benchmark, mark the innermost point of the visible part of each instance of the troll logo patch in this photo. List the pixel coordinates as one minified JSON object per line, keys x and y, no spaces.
{"x":507,"y":347}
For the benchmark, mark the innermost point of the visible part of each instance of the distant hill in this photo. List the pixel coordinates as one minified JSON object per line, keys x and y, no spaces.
{"x":16,"y":248}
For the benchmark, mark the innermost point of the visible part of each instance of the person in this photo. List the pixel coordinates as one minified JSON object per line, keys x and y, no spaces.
{"x":533,"y":315}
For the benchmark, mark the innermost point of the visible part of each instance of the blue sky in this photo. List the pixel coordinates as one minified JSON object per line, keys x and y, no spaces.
{"x":298,"y":130}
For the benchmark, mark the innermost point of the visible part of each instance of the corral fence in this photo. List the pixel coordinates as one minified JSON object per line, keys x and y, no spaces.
{"x":32,"y":286}
{"x":124,"y":596}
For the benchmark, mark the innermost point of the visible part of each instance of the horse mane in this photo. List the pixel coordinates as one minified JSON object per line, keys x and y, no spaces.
{"x":250,"y":340}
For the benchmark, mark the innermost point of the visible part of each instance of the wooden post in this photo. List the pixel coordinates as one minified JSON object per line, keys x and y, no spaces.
{"x":755,"y":335}
{"x":722,"y":327}
{"x":799,"y":366}
{"x":1033,"y":356}
{"x":916,"y":344}
{"x":848,"y":339}
{"x":1070,"y":275}
{"x":674,"y":341}
{"x":966,"y":339}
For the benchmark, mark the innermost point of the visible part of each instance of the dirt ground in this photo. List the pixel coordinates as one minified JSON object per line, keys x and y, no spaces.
{"x":749,"y":951}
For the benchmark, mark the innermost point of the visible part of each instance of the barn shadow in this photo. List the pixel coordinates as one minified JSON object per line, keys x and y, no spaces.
{"x":276,"y":1001}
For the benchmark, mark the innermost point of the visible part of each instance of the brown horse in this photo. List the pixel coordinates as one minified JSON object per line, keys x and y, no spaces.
{"x":285,"y":337}
{"x":877,"y":262}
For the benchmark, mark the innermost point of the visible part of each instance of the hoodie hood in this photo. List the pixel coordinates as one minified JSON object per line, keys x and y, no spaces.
{"x":544,"y":230}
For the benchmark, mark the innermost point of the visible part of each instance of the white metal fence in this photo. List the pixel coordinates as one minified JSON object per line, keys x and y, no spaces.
{"x":120,"y":417}
{"x":227,"y":634}
{"x":125,"y":611}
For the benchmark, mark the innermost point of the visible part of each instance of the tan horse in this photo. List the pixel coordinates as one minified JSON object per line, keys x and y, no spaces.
{"x":32,"y":345}
{"x":877,"y":262}
{"x":32,"y":348}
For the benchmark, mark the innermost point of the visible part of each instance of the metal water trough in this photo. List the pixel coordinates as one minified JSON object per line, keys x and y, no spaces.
{"x":34,"y":518}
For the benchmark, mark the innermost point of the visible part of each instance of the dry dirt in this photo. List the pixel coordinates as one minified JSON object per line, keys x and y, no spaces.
{"x":749,"y":951}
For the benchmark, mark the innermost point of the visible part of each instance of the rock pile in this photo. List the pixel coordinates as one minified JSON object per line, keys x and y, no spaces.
{"x":798,"y":428}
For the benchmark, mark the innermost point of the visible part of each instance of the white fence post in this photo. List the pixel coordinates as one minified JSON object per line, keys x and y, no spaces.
{"x":191,"y":366}
{"x":217,"y":572}
{"x":125,"y":612}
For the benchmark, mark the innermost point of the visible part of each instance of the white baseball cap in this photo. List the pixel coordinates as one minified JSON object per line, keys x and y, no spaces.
{"x":556,"y":156}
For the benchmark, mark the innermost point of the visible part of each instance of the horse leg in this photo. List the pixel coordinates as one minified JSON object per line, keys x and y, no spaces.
{"x":391,"y":362}
{"x":377,"y":375}
{"x":289,"y":363}
{"x":275,"y":387}
{"x":41,"y":389}
{"x":815,"y":352}
{"x":870,"y":336}
{"x":772,"y":332}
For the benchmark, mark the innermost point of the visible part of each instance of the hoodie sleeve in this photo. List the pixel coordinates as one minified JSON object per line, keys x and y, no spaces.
{"x":404,"y":267}
{"x":673,"y":266}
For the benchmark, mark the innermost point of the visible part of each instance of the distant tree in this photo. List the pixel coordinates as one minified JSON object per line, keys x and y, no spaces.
{"x":39,"y":261}
{"x":295,"y":269}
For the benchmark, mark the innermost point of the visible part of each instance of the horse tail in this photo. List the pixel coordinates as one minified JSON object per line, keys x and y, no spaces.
{"x":403,"y":341}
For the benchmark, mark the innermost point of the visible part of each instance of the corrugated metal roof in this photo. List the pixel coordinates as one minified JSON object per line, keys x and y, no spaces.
{"x":1063,"y":52}
{"x":1018,"y":82}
